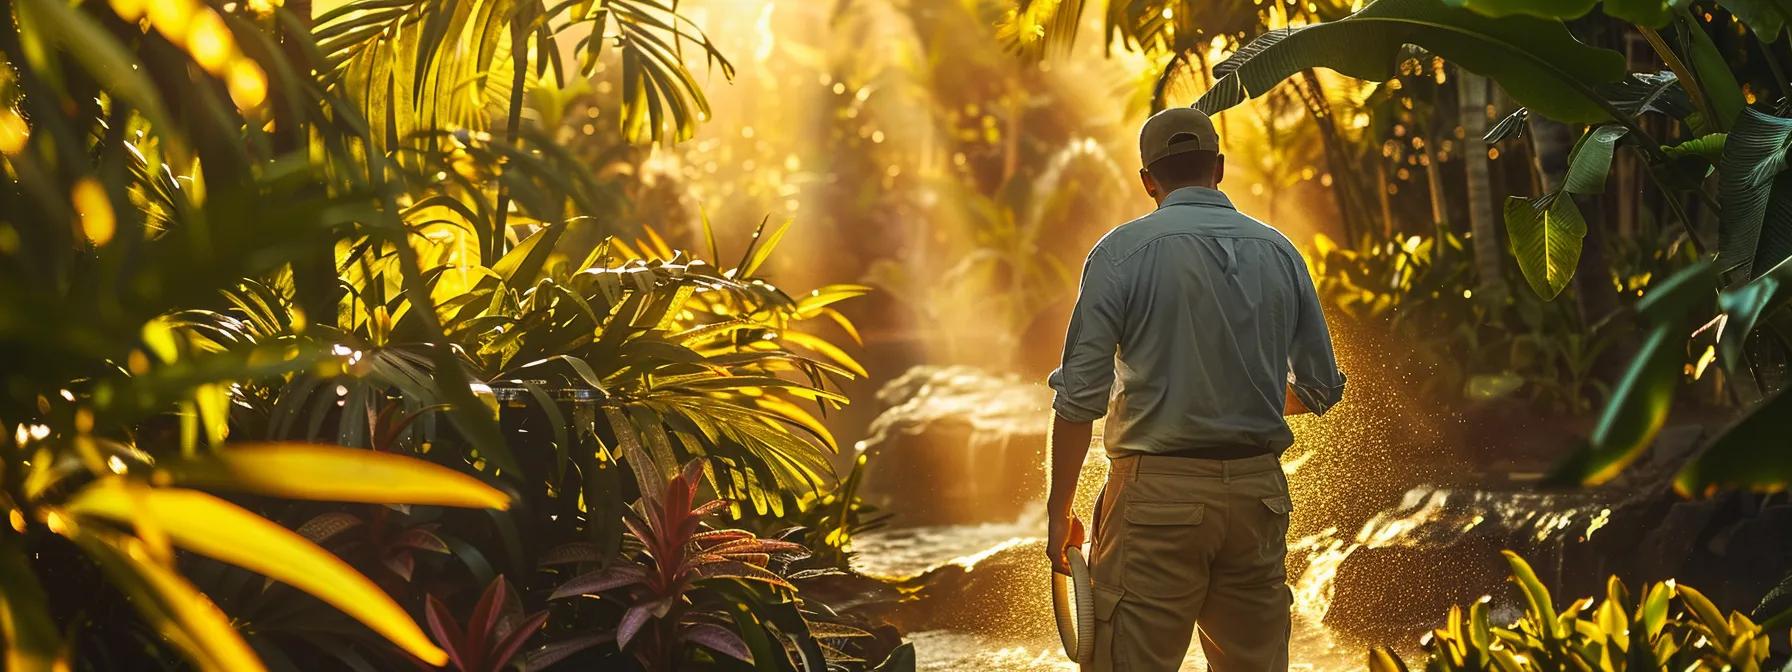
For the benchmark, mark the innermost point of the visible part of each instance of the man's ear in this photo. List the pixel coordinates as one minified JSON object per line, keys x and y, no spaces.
{"x":1219,"y":169}
{"x":1149,"y":182}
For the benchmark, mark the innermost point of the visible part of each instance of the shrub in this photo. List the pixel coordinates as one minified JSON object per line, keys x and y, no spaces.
{"x":1665,"y":626}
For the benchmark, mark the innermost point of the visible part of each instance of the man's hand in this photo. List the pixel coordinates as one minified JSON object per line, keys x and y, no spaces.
{"x":1065,"y":532}
{"x":1293,"y":405}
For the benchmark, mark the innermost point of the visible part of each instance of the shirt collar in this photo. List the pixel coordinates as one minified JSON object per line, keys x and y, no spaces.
{"x":1197,"y":196}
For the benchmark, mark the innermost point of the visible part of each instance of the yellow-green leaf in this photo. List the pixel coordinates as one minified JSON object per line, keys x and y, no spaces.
{"x":826,"y":349}
{"x":28,"y":639}
{"x":332,"y":473}
{"x":1546,"y":242}
{"x":1707,"y":613}
{"x":1383,"y":659}
{"x":1536,"y":596}
{"x":217,"y":529}
{"x":1653,"y":612}
{"x":168,"y":601}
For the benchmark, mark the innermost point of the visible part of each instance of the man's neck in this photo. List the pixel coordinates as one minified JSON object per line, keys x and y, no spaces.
{"x":1165,"y":194}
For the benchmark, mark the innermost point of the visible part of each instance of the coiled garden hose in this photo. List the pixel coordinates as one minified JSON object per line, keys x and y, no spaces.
{"x":1073,"y":602}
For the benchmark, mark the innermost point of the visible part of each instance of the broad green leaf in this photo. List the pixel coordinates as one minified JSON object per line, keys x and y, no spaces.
{"x":1768,"y":18}
{"x":1643,"y":92}
{"x":28,"y":638}
{"x":1722,"y":92}
{"x":331,"y":473}
{"x":1775,"y":244}
{"x":1636,"y":412}
{"x":1535,"y":60}
{"x":1547,"y":243}
{"x":1748,"y":454}
{"x":1670,"y":300}
{"x":226,"y":532}
{"x":1651,"y":13}
{"x":1743,"y":307}
{"x":1547,"y":9}
{"x":1591,"y":160}
{"x":1639,"y":403}
{"x":1754,"y":155}
{"x":1709,"y":147}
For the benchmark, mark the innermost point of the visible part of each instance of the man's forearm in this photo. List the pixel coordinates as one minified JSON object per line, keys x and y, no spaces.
{"x":1069,"y":444}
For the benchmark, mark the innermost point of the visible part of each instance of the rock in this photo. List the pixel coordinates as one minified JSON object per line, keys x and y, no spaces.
{"x":957,"y":445}
{"x":1441,"y":547}
{"x":1003,"y":590}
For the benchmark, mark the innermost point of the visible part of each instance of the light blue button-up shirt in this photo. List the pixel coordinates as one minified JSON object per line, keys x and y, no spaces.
{"x":1209,"y":316}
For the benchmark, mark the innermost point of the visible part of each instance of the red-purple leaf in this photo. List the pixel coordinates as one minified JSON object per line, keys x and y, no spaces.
{"x":709,"y":538}
{"x":555,"y":652}
{"x":686,"y":529}
{"x":422,"y":540}
{"x":693,"y":476}
{"x":445,"y":629}
{"x":739,"y":570}
{"x":757,"y":546}
{"x":642,"y":532}
{"x":507,"y":648}
{"x":631,"y":623}
{"x":709,"y":507}
{"x":327,"y":525}
{"x":592,"y":583}
{"x":573,"y":553}
{"x":754,"y":559}
{"x":402,"y":564}
{"x":721,"y":639}
{"x":485,"y":616}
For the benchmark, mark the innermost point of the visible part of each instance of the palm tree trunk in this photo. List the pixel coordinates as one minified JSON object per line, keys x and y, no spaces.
{"x":1471,"y":104}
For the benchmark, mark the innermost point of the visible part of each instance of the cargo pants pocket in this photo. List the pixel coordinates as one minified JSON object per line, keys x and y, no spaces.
{"x":1107,"y":600}
{"x":1162,"y":555}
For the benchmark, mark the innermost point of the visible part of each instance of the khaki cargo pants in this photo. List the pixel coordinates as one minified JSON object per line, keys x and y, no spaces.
{"x":1180,"y":542}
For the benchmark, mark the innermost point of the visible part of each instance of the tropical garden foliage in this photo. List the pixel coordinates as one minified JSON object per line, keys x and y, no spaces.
{"x":293,"y":356}
{"x":1699,"y":118}
{"x":1663,"y":626}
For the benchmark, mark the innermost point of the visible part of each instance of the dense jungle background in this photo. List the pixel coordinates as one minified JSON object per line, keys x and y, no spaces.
{"x":711,"y":334}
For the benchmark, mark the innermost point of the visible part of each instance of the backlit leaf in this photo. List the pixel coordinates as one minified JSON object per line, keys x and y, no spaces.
{"x":226,"y":532}
{"x":1547,"y":243}
{"x":1536,"y":60}
{"x":332,"y":473}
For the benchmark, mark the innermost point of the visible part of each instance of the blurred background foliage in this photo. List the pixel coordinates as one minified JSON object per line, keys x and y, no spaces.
{"x":331,"y":264}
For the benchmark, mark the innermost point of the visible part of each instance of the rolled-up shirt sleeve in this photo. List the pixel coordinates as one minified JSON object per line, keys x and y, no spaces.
{"x":1313,"y":371}
{"x":1085,"y":378}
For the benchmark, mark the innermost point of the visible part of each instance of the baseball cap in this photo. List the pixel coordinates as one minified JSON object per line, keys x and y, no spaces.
{"x":1175,"y":131}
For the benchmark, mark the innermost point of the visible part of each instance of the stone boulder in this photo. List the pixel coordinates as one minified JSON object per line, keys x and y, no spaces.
{"x":957,"y":445}
{"x":1399,"y":575}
